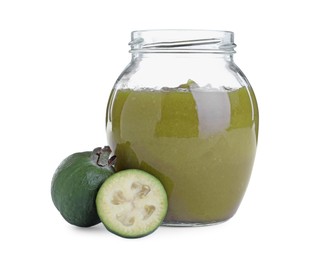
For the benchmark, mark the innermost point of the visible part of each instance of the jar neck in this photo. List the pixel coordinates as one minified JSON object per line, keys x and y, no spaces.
{"x":182,"y":42}
{"x":222,"y":57}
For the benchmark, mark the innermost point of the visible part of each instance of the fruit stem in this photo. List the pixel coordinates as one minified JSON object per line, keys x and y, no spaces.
{"x":101,"y":156}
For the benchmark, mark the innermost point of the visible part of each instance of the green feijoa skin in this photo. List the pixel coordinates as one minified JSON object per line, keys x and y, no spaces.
{"x":76,"y":182}
{"x":132,"y":203}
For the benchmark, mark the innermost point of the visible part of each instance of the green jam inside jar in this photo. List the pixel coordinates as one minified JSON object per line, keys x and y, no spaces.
{"x":199,"y":142}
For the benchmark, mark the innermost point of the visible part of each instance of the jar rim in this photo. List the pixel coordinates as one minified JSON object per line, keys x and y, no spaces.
{"x":182,"y":41}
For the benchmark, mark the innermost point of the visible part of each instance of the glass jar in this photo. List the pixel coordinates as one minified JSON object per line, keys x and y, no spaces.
{"x":183,"y":111}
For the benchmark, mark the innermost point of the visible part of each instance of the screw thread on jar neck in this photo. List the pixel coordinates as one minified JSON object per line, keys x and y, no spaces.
{"x":182,"y":41}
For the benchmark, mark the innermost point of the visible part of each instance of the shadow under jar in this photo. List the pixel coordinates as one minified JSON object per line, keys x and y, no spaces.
{"x":184,"y":112}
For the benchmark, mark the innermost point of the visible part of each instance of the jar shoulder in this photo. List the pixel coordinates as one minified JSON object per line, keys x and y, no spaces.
{"x":216,"y":73}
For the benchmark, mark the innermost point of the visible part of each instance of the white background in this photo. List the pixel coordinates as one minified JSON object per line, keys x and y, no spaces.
{"x":58,"y":62}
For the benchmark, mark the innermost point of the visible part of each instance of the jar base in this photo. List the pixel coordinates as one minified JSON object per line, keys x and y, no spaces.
{"x":192,"y":224}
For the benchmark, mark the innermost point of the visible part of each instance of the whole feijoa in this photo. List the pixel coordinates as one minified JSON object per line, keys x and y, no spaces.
{"x":76,"y":182}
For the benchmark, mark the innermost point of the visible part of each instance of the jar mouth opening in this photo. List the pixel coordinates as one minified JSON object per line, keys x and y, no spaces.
{"x":182,"y":41}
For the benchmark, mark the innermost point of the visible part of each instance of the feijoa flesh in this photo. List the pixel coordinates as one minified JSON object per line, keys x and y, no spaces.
{"x":76,"y":182}
{"x":132,"y":203}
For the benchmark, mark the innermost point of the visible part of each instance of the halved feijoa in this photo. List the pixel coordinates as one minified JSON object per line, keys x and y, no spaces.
{"x":132,"y":203}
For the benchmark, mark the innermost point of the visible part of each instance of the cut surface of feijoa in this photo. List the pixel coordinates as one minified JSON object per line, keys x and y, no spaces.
{"x":132,"y":203}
